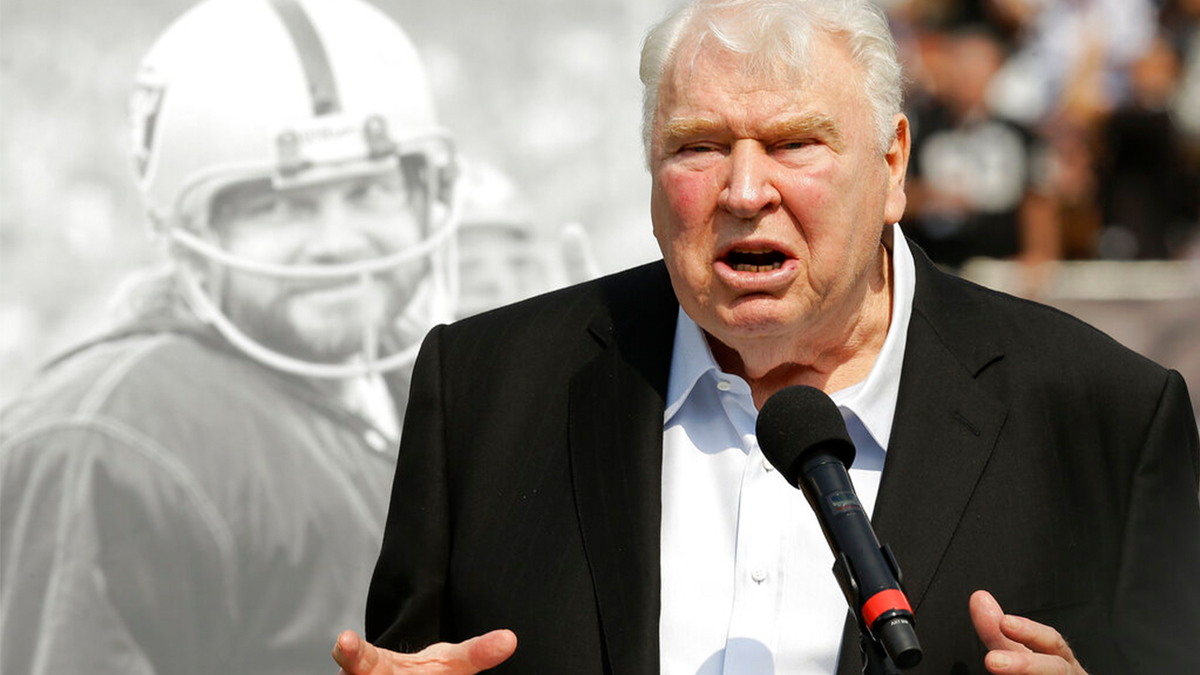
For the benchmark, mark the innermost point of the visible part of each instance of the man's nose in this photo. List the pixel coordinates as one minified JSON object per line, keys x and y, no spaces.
{"x":335,"y":237}
{"x":750,"y":188}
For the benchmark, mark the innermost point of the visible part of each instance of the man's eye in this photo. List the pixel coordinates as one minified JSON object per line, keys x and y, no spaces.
{"x":283,"y":208}
{"x":264,"y":208}
{"x":699,"y":149}
{"x":360,"y":193}
{"x":376,"y":193}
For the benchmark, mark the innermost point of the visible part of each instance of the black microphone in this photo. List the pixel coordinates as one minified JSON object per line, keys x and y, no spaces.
{"x":802,"y":433}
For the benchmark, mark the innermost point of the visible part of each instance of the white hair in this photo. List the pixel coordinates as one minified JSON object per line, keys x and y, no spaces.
{"x":776,"y":34}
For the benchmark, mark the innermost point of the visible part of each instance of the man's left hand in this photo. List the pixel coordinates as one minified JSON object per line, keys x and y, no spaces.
{"x":1019,"y":646}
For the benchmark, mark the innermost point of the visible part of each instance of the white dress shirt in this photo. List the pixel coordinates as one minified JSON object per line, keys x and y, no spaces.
{"x":746,"y":581}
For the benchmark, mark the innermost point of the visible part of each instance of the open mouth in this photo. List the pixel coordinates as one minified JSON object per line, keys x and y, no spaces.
{"x":755,"y":261}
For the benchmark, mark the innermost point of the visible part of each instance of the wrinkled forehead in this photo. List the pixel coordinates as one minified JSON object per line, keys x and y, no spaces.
{"x":791,"y":65}
{"x":823,"y":71}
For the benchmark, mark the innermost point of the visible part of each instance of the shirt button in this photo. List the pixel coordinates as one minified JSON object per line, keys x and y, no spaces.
{"x":759,"y":576}
{"x":723,"y":385}
{"x":767,"y":466}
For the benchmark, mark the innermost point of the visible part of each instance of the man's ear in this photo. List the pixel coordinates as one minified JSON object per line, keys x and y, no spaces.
{"x":897,"y":162}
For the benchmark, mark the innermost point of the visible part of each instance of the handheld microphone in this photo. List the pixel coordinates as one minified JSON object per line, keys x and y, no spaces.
{"x":802,"y":433}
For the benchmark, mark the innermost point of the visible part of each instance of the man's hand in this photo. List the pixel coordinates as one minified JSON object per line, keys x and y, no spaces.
{"x":359,"y":657}
{"x":1018,"y":646}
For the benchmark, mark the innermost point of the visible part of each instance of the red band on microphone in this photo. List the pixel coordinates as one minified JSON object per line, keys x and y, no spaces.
{"x":883,"y":601}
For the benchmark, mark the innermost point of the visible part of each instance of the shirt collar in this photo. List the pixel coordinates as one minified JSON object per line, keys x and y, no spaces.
{"x":873,"y":400}
{"x":690,"y":361}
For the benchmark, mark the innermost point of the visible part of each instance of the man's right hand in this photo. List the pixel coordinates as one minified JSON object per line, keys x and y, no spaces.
{"x":359,"y":657}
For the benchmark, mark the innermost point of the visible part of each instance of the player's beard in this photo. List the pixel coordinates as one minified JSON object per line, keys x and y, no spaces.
{"x":324,"y":322}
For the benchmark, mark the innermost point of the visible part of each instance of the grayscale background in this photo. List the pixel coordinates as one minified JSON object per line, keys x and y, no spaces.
{"x":563,"y":123}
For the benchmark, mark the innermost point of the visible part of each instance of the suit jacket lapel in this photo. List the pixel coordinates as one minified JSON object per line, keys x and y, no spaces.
{"x":615,"y":425}
{"x":945,"y":427}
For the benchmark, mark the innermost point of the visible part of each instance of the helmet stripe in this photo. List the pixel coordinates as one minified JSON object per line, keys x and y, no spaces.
{"x":318,"y":72}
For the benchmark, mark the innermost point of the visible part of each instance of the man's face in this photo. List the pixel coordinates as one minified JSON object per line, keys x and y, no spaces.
{"x":498,"y":264}
{"x":331,"y":223}
{"x":769,"y":196}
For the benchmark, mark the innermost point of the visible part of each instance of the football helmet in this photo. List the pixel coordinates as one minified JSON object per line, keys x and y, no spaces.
{"x":295,"y":92}
{"x":501,"y":258}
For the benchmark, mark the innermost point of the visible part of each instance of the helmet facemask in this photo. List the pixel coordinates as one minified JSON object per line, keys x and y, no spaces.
{"x":304,"y":98}
{"x":404,"y":284}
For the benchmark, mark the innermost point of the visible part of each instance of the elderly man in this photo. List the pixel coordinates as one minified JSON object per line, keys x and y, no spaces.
{"x":581,"y":470}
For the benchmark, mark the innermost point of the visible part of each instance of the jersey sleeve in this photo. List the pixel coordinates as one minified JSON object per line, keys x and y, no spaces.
{"x":113,"y":560}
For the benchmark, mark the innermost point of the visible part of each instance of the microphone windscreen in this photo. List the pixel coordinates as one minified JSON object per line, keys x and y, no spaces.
{"x":797,"y":421}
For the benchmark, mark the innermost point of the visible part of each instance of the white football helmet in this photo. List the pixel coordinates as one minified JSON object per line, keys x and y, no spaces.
{"x":501,"y":258}
{"x":296,"y":92}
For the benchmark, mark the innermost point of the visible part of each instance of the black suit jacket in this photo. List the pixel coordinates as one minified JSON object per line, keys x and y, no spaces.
{"x":1030,"y":455}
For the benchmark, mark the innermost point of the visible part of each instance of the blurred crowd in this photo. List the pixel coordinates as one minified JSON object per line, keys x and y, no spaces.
{"x":1053,"y":129}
